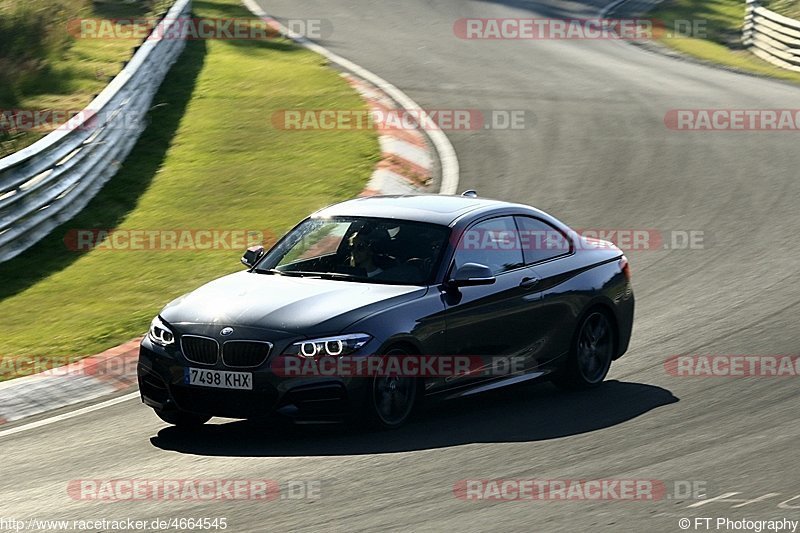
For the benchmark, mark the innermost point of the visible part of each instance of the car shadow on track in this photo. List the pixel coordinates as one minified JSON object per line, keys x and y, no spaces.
{"x":518,"y":414}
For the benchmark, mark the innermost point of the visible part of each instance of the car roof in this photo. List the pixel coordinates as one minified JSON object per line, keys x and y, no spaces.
{"x":432,"y":208}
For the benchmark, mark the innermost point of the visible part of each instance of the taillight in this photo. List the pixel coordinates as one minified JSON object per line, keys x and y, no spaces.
{"x":625,"y":267}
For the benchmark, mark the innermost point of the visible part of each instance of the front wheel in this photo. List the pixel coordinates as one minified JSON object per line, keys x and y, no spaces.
{"x":391,"y":399}
{"x":591,"y":354}
{"x":182,"y":419}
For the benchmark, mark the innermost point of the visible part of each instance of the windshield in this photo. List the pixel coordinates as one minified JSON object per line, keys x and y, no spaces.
{"x":361,"y":249}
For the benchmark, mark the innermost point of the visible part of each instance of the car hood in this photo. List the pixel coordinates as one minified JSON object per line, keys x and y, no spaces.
{"x":303,"y":306}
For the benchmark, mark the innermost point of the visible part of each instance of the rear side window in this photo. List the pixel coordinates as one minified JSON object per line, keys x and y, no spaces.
{"x":494,"y":243}
{"x":540,"y":241}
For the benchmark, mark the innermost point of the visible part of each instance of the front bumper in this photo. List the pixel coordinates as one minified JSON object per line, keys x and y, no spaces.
{"x":163,"y":387}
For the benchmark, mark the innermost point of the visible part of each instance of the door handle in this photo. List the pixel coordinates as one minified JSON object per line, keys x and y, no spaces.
{"x":529,"y":282}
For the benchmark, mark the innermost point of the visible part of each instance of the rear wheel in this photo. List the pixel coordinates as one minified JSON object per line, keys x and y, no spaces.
{"x":391,"y":398}
{"x":182,"y":419}
{"x":591,"y":354}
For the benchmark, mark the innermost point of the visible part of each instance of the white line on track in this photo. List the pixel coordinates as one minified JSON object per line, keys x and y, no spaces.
{"x":447,"y":154}
{"x":67,"y":416}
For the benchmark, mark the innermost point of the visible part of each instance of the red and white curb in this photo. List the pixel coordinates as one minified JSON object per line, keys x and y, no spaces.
{"x":406,"y":166}
{"x":86,"y":379}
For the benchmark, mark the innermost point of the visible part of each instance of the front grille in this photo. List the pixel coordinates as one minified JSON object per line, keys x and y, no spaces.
{"x":245,"y":354}
{"x":202,"y":350}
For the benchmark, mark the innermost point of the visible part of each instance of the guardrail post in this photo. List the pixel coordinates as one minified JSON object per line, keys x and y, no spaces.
{"x":749,"y":15}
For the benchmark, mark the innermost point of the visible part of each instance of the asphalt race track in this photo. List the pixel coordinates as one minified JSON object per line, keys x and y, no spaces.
{"x":596,"y":153}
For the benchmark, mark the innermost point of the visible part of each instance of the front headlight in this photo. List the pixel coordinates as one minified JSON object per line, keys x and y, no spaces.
{"x":160,"y":334}
{"x":331,"y":346}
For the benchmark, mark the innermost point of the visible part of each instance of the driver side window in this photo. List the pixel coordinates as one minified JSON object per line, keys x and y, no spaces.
{"x":494,"y":243}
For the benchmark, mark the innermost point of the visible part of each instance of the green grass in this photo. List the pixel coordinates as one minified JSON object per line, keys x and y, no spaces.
{"x":722,"y":42}
{"x":210,"y":158}
{"x":43,"y":66}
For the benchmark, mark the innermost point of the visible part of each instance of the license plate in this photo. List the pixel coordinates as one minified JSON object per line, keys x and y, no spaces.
{"x":219,"y":379}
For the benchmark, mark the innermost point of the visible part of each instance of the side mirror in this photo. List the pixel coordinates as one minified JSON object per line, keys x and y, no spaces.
{"x":471,"y":274}
{"x":252,"y":255}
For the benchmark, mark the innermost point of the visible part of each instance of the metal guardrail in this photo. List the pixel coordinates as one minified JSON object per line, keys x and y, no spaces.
{"x":771,"y":36}
{"x":50,"y":181}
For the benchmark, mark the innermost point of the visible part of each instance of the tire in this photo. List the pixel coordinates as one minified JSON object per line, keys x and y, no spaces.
{"x":182,"y":419}
{"x":391,"y":399}
{"x":591,"y":353}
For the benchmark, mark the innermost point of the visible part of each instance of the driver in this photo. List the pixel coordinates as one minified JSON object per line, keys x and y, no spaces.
{"x":362,"y":251}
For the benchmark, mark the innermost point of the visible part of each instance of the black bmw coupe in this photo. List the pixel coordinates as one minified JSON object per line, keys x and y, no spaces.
{"x":369,"y":306}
